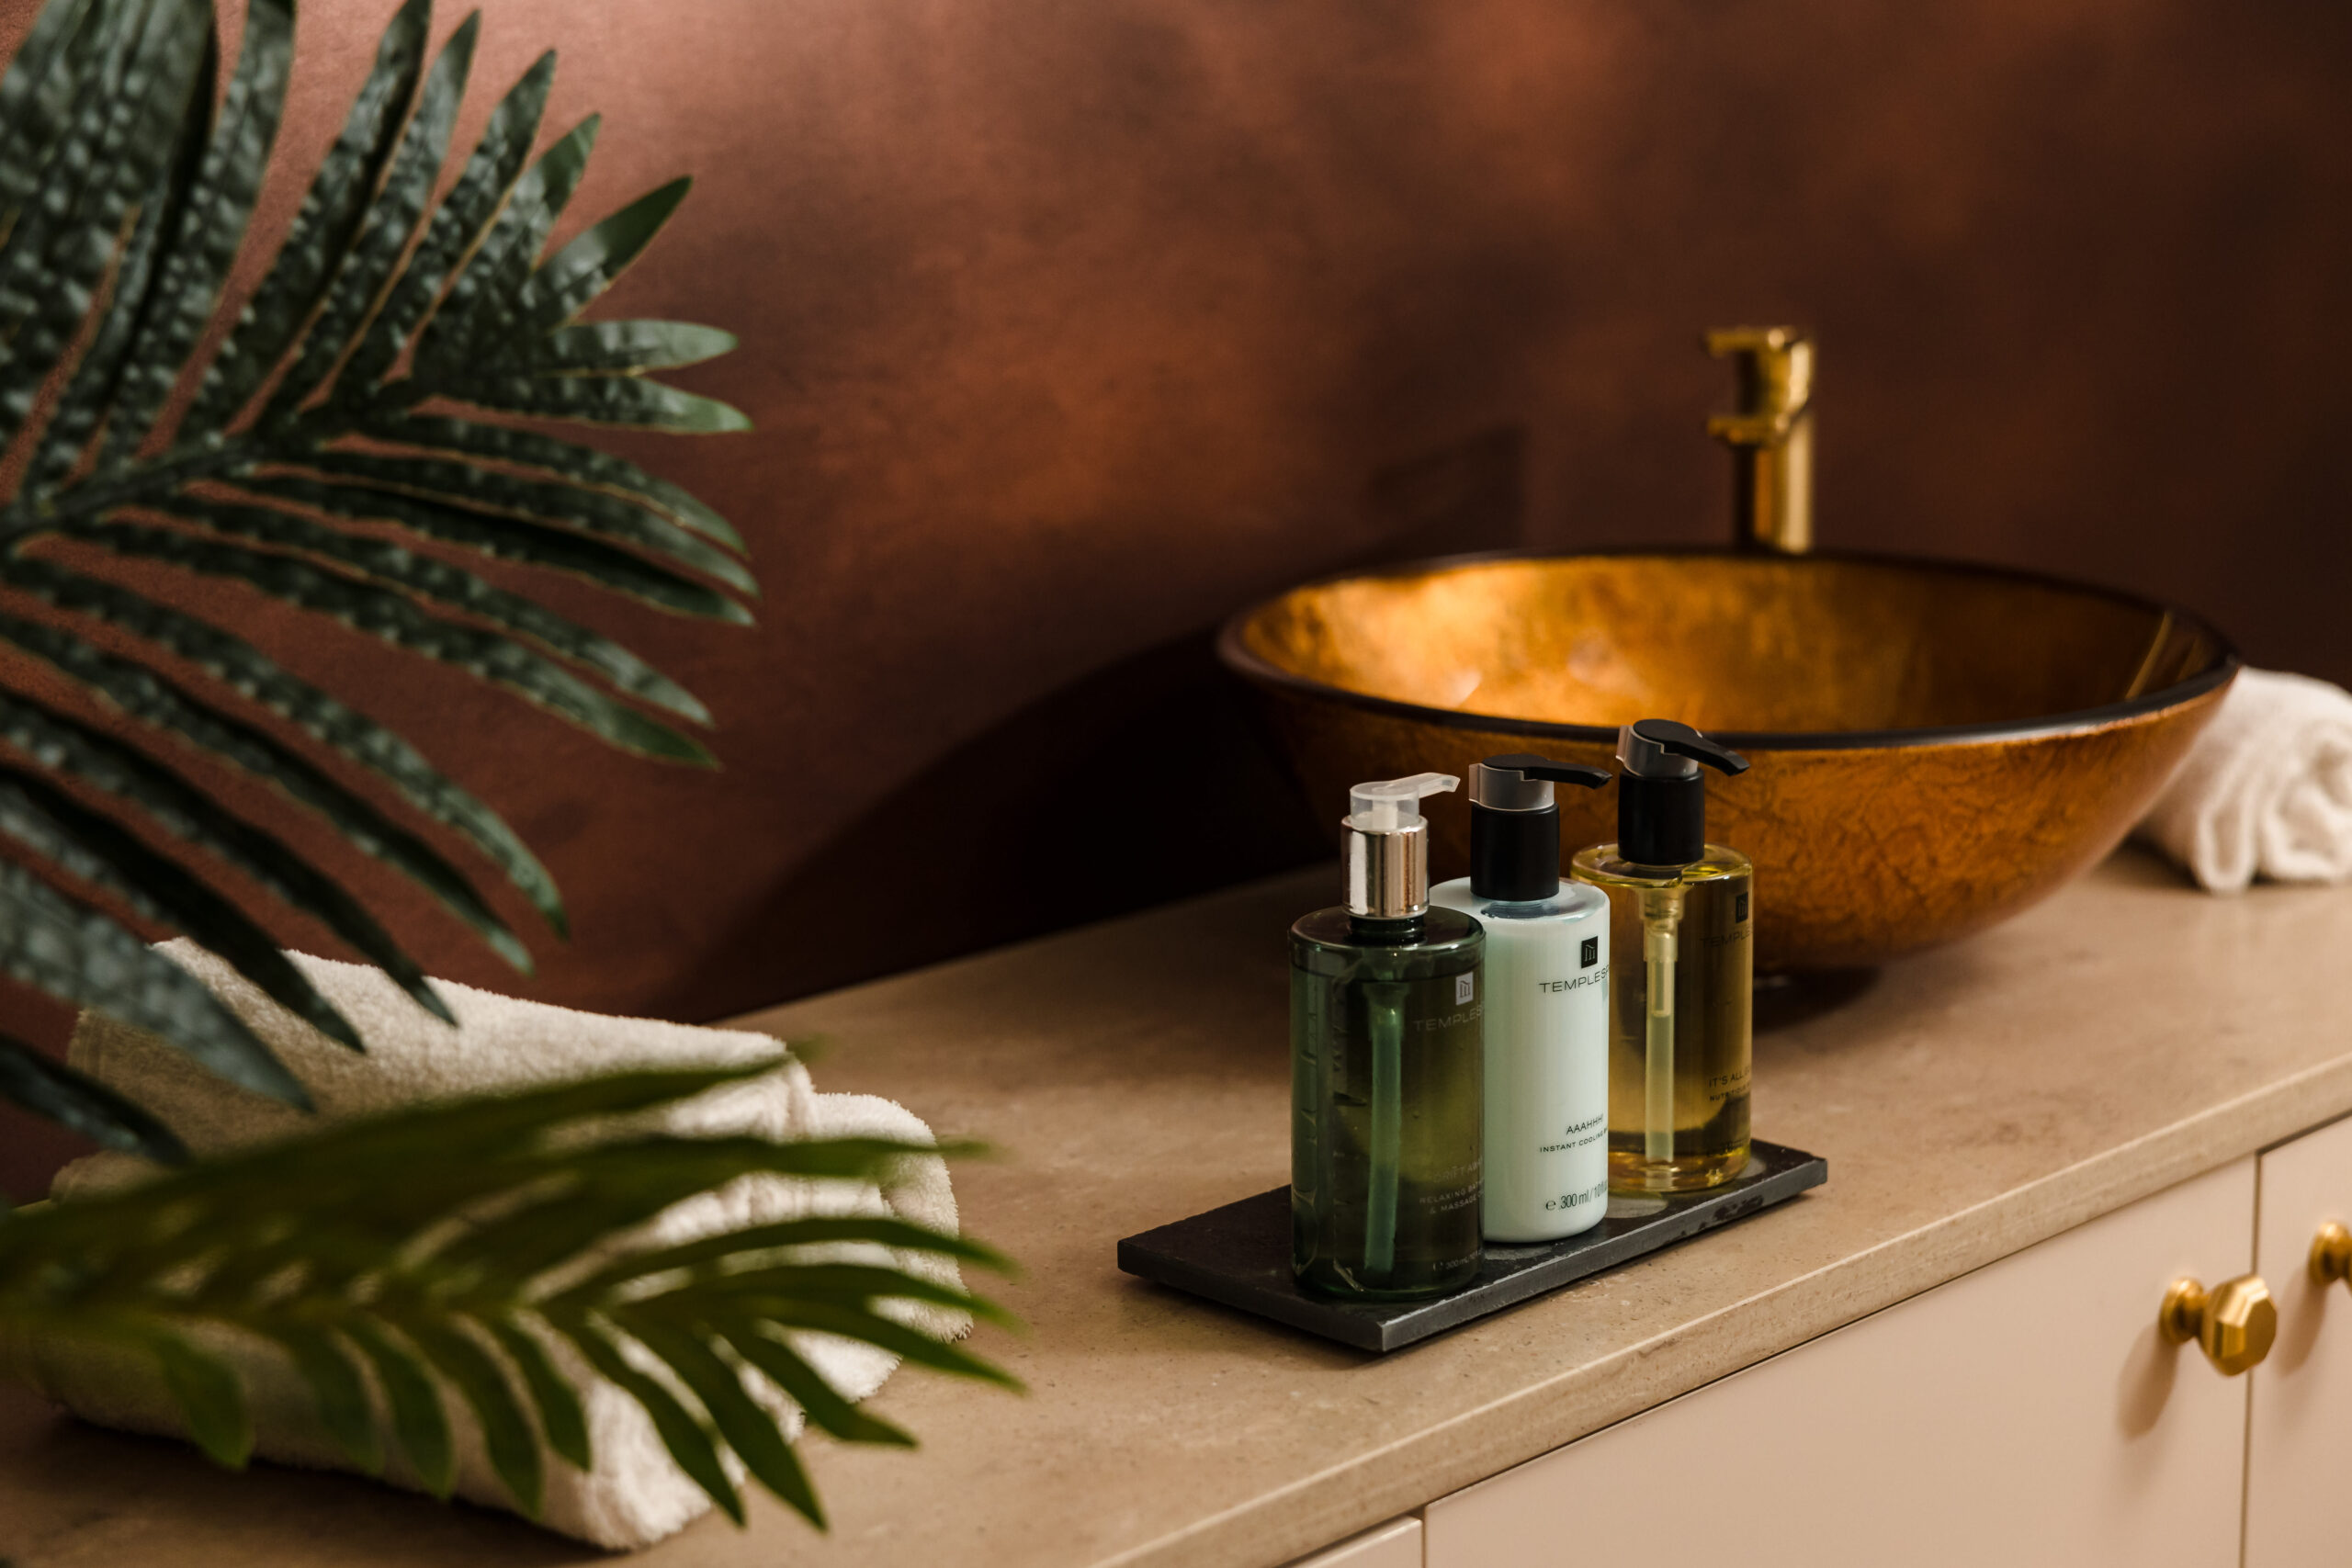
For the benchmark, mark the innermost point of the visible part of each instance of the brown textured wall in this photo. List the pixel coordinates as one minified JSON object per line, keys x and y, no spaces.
{"x":1072,"y":324}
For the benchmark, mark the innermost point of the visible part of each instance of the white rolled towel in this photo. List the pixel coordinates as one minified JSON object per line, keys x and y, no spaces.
{"x":2266,"y":789}
{"x":635,"y":1494}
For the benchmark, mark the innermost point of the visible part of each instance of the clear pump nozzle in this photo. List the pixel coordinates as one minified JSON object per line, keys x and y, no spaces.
{"x":1394,"y":806}
{"x":1388,"y":846}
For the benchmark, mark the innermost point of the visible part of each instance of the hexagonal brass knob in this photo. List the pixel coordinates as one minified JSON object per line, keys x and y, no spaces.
{"x":2332,"y":1254}
{"x":2233,"y":1322}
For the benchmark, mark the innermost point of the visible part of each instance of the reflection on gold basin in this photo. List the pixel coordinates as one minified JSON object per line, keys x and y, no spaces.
{"x":1934,"y":746}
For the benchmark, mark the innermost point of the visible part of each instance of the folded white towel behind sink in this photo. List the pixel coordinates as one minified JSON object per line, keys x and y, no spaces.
{"x":635,"y":1494}
{"x":2268,"y":788}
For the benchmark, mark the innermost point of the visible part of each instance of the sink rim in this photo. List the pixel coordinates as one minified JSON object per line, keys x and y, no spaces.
{"x":1234,"y":653}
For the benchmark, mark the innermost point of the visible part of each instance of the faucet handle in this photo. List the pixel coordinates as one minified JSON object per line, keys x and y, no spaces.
{"x":1770,"y":437}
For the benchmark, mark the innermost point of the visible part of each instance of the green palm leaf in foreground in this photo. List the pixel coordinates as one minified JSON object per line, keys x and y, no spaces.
{"x":332,"y":455}
{"x":448,"y":1246}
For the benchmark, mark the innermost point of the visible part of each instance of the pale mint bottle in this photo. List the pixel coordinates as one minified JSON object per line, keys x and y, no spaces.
{"x":1546,"y":1165}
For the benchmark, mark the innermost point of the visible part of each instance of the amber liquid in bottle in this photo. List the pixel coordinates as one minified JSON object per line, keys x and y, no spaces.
{"x":1681,"y":941}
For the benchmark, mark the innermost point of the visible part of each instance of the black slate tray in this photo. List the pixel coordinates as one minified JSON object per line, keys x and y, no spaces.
{"x":1240,"y":1254}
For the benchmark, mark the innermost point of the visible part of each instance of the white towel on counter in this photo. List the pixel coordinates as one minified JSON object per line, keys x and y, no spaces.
{"x":2266,"y":789}
{"x":635,"y":1494}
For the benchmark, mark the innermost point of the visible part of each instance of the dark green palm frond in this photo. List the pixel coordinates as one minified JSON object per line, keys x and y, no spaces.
{"x":427,"y":577}
{"x":80,"y":953}
{"x":88,"y":1107}
{"x":132,"y":688}
{"x":399,"y":620}
{"x":220,"y":203}
{"x":73,"y":750}
{"x":544,"y":455}
{"x":503,"y":248}
{"x":53,"y":825}
{"x":456,"y":1250}
{"x":312,"y":464}
{"x":502,"y":537}
{"x":457,"y":1247}
{"x":349,"y":733}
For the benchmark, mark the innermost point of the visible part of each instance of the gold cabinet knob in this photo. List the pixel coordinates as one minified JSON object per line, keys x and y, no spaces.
{"x":2332,"y":1254}
{"x":2233,"y":1322}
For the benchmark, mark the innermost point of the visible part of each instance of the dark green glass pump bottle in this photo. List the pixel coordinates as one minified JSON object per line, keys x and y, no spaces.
{"x":1387,"y":1058}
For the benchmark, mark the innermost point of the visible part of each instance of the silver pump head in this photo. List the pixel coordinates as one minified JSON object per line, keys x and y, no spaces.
{"x":1387,"y":850}
{"x":1645,"y":756}
{"x":1661,"y":749}
{"x":1508,"y":789}
{"x":1522,"y":782}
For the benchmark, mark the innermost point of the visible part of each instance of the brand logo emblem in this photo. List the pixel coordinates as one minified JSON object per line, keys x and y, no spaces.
{"x":1591,"y":953}
{"x":1465,"y":987}
{"x":1578,"y":984}
{"x":1739,"y":908}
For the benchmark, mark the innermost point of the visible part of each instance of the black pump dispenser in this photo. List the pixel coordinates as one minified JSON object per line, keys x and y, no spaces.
{"x":1515,"y":824}
{"x":1661,"y":794}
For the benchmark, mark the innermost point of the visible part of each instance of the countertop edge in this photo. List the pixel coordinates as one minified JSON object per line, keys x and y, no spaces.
{"x":1371,"y":1489}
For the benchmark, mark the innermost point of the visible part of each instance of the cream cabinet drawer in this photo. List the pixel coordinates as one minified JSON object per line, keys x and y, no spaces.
{"x":1397,"y":1544}
{"x":2298,"y":1440}
{"x":2027,"y":1413}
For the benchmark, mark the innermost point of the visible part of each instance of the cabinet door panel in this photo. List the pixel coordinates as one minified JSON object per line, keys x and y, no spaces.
{"x":2299,"y":1443}
{"x":2026,"y":1413}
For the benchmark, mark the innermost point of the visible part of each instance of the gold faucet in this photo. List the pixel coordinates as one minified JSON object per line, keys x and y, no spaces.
{"x":1771,"y":437}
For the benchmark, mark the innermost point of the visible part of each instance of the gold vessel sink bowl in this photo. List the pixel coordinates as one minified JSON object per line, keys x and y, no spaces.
{"x":1934,"y":746}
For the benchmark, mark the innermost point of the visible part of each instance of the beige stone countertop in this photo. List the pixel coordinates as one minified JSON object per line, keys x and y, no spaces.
{"x":2127,"y":1034}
